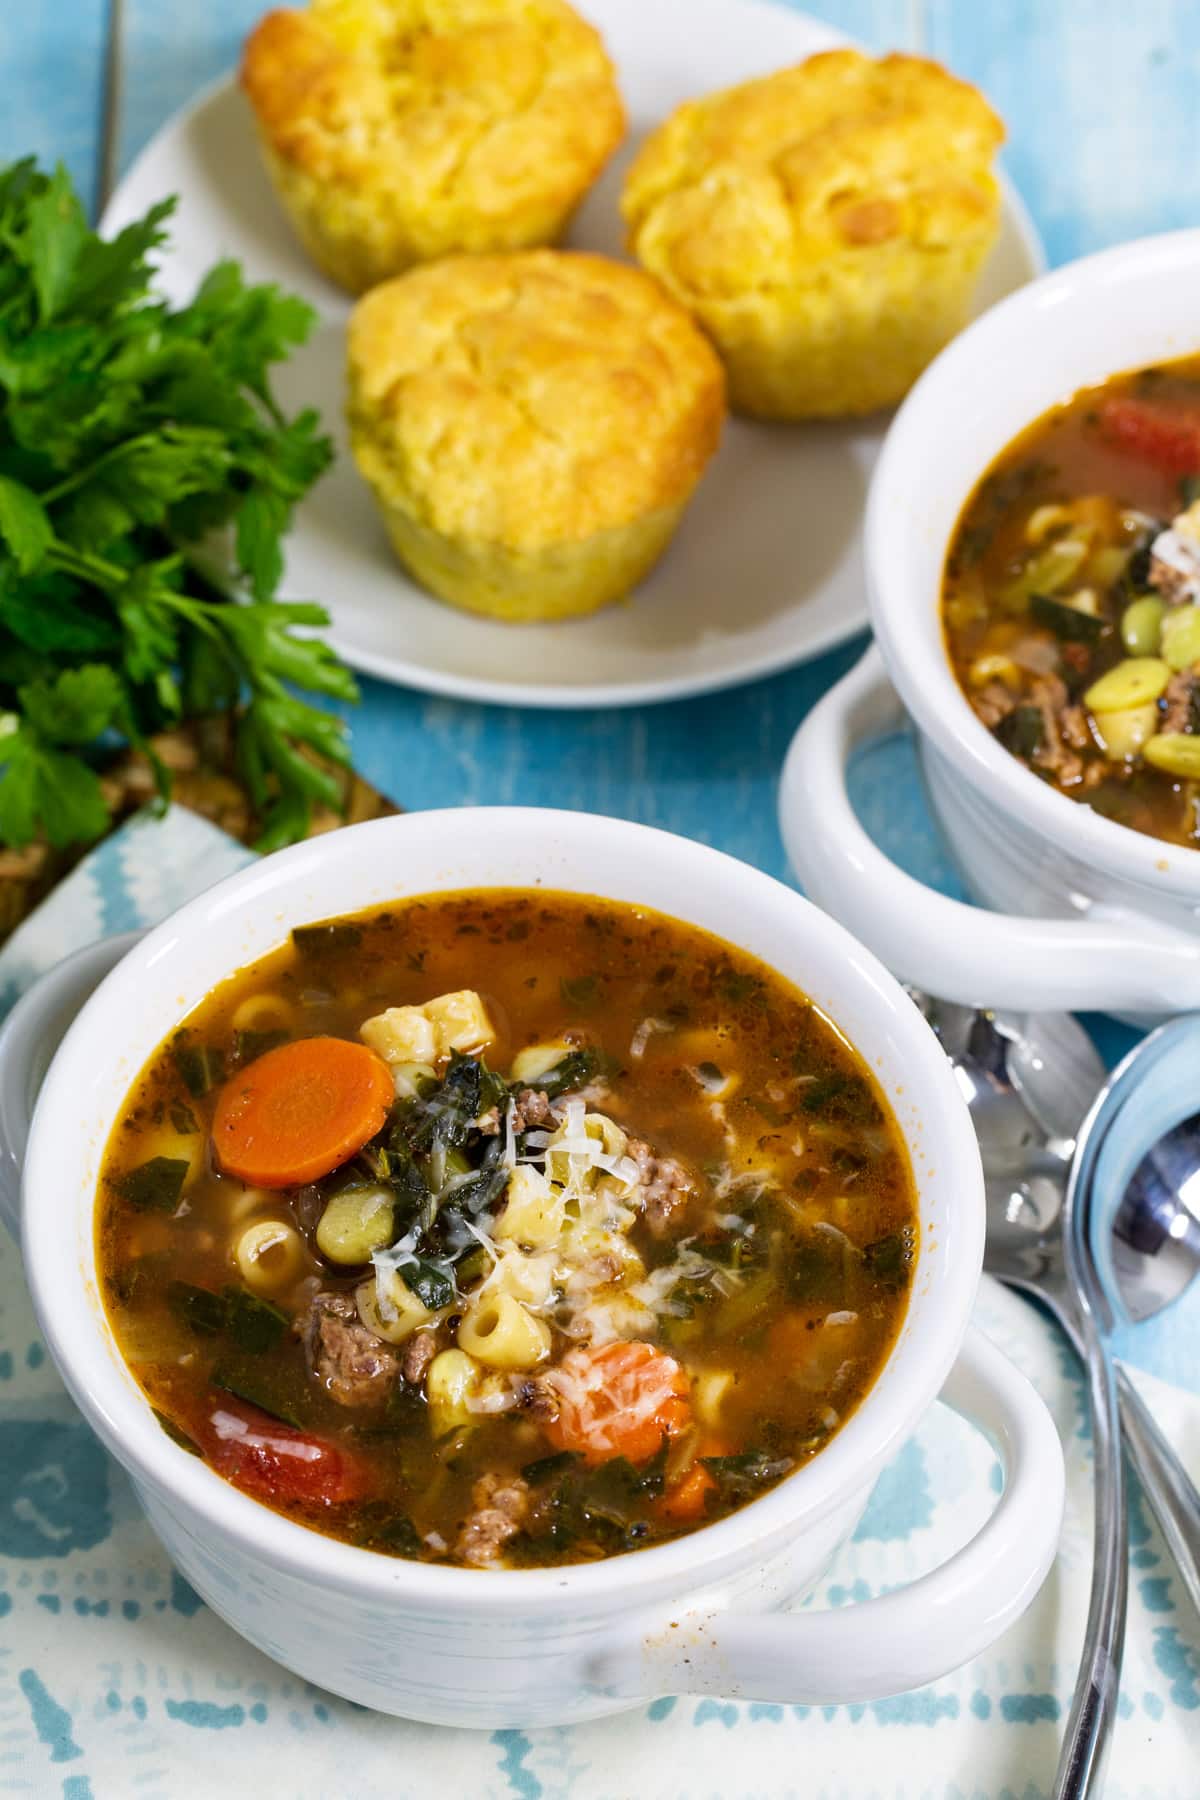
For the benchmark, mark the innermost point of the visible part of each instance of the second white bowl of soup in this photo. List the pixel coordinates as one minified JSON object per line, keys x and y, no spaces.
{"x":1033,"y":559}
{"x":503,"y":1248}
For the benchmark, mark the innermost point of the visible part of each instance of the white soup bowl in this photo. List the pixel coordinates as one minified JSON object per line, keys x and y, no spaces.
{"x":1075,"y":910}
{"x":535,"y":1647}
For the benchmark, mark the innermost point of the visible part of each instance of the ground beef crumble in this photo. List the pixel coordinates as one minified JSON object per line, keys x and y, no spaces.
{"x":1181,"y":702}
{"x":665,"y":1186}
{"x":419,"y":1352}
{"x":500,"y":1505}
{"x":353,"y":1366}
{"x":1054,"y":754}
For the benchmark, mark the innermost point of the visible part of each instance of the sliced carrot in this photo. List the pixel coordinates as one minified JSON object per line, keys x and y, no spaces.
{"x":687,"y":1498}
{"x":618,"y":1399}
{"x":300,"y":1111}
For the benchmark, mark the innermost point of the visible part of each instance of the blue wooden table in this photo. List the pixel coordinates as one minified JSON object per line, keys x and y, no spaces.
{"x":1104,"y":143}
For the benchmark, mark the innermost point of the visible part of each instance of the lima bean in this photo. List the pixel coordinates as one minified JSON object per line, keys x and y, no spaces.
{"x":1134,"y":682}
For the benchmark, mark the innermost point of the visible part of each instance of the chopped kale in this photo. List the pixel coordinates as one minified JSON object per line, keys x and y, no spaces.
{"x":432,"y":1282}
{"x":446,"y":1115}
{"x":741,"y":1477}
{"x":322,"y":940}
{"x":198,"y":1307}
{"x":201,"y":1067}
{"x":843,"y":1097}
{"x":474,"y":1193}
{"x":276,"y":1388}
{"x":248,"y":1046}
{"x":176,"y":1433}
{"x":154,"y":1186}
{"x":888,"y":1261}
{"x":397,"y":1534}
{"x":818,"y":1269}
{"x":1022,"y":731}
{"x":576,"y":1069}
{"x":617,"y":1490}
{"x":1069,"y":623}
{"x":549,"y":1468}
{"x":253,"y":1324}
{"x":581,"y":993}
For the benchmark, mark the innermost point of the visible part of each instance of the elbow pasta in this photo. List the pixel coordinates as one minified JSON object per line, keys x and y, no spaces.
{"x":395,"y":1315}
{"x":270,"y":1256}
{"x":503,"y":1334}
{"x":528,"y":1279}
{"x":265,"y":1012}
{"x":244,"y":1202}
{"x":534,"y":1213}
{"x":452,"y":1379}
{"x":602,"y":1130}
{"x":708,"y":1395}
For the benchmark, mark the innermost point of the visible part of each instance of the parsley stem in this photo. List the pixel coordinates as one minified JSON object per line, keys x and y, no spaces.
{"x":81,"y":477}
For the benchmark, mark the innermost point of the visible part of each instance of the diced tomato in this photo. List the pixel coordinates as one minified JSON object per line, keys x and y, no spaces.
{"x":1169,"y":440}
{"x":276,"y":1462}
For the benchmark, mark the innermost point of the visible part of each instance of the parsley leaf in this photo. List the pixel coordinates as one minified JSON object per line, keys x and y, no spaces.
{"x":130,"y":429}
{"x":24,"y":524}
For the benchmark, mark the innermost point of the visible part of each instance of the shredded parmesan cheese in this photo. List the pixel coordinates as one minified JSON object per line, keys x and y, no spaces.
{"x":230,"y":1429}
{"x":628,"y":1398}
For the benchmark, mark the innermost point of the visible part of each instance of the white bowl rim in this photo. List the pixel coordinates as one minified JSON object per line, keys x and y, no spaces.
{"x":122,"y":1417}
{"x":920,"y":670}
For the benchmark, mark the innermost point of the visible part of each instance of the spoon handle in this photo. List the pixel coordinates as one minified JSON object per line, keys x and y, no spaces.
{"x":1088,"y":1737}
{"x":1169,"y":1488}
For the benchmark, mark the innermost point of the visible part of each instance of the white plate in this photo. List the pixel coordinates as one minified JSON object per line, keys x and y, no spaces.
{"x":765,"y":571}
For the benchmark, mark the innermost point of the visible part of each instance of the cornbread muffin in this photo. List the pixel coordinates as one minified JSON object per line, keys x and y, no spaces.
{"x":533,"y":426}
{"x":398,"y":131}
{"x":825,"y":224}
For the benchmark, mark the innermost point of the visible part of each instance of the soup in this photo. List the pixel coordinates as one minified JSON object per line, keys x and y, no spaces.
{"x":503,"y":1229}
{"x":1071,"y":600}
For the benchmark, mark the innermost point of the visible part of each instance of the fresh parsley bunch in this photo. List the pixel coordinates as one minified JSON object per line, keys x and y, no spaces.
{"x":131,"y":430}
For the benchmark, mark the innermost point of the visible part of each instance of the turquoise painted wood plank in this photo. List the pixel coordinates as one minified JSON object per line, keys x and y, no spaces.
{"x":1101,"y":105}
{"x":50,"y":71}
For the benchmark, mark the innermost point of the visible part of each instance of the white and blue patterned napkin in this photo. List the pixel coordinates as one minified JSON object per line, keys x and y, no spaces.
{"x":116,"y":1681}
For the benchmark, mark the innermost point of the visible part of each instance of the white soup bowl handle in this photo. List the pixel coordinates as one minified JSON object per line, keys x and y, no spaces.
{"x":905,"y":1638}
{"x":29,"y":1037}
{"x":1107,"y":960}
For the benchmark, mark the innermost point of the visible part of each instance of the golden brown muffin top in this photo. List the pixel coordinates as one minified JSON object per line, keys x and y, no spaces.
{"x":531,"y":398}
{"x":425,"y":97}
{"x":754,"y":186}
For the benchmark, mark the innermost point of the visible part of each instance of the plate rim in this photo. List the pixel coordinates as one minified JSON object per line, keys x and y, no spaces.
{"x":584,"y":696}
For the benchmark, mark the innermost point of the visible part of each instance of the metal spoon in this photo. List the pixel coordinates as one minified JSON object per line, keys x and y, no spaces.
{"x":1033,"y":1244}
{"x":1029,"y":1083}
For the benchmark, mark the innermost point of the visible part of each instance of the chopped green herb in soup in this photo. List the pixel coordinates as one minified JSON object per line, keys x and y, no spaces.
{"x":1072,"y":600}
{"x":503,"y":1229}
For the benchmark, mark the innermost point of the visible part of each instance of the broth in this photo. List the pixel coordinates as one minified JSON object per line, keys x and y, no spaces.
{"x":1071,"y":599}
{"x":548,"y":1314}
